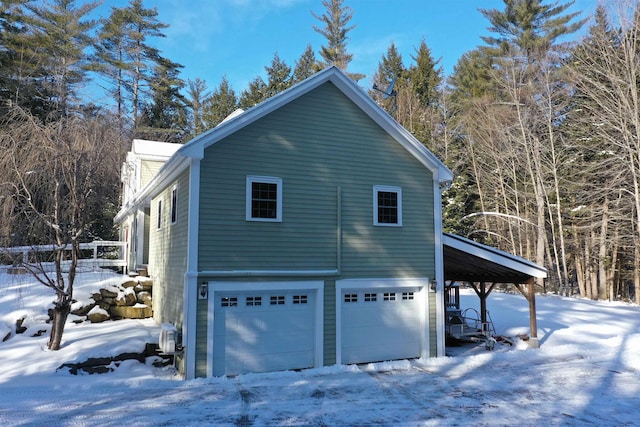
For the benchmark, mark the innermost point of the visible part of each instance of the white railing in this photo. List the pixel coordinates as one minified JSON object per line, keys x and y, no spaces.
{"x":112,"y":255}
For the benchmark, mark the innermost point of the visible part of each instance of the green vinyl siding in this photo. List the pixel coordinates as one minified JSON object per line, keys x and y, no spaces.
{"x":329,"y":343}
{"x":168,"y":252}
{"x":202,"y":321}
{"x":433,"y":321}
{"x":311,"y":144}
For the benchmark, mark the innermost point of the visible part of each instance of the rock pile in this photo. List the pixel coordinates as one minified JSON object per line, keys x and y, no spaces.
{"x":130,"y":300}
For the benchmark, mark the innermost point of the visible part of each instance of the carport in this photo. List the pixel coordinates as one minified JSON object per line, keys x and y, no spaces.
{"x":483,"y":267}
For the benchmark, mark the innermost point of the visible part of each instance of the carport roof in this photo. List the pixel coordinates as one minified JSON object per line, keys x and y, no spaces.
{"x":469,"y":261}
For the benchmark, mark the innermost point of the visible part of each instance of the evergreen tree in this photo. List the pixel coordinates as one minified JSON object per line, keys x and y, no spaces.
{"x":254,"y":94}
{"x":335,"y":30}
{"x":529,"y":26}
{"x":306,"y":65}
{"x":278,"y":76}
{"x":165,"y":116}
{"x":130,"y":61}
{"x":391,"y":70}
{"x":220,"y":104}
{"x":51,"y":51}
{"x":197,"y":96}
{"x":426,"y":76}
{"x":112,"y":55}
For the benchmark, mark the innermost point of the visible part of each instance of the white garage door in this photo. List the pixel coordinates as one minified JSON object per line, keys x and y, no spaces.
{"x":263,"y":331}
{"x":381,"y":324}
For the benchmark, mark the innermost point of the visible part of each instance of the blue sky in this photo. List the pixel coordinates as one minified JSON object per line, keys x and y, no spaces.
{"x":238,"y":38}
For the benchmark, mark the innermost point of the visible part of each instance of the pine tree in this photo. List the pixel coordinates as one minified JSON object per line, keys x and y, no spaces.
{"x":165,"y":116}
{"x":254,"y":94}
{"x":529,"y":26}
{"x":306,"y":65}
{"x":220,"y":104}
{"x":426,"y":76}
{"x":130,"y":61}
{"x":278,"y":76}
{"x":197,"y":96}
{"x":56,"y":37}
{"x":335,"y":30}
{"x":391,"y":70}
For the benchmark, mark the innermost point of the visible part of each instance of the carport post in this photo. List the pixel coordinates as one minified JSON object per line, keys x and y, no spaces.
{"x":530,"y":294}
{"x":533,"y":323}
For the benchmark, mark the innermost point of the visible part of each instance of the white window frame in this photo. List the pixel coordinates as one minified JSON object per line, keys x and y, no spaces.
{"x":388,"y":189}
{"x":268,"y":180}
{"x":173,"y":211}
{"x":159,"y":212}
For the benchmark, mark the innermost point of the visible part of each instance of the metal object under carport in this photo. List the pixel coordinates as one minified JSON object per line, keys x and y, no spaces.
{"x":483,"y":267}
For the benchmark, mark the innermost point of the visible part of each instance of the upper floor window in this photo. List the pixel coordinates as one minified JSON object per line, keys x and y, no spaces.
{"x":387,"y":205}
{"x":264,"y":199}
{"x":174,"y":205}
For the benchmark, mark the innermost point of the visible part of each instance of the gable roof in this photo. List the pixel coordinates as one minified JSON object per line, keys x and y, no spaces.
{"x":348,"y":87}
{"x":469,"y":261}
{"x":195,"y":148}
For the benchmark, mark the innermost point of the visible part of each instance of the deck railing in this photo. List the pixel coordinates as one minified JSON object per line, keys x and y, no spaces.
{"x":94,"y":255}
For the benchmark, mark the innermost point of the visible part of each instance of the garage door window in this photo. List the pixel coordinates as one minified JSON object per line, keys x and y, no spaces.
{"x":229,"y":301}
{"x":277,"y":300}
{"x":350,"y":297}
{"x":254,"y":301}
{"x":299,"y":299}
{"x":407,"y":295}
{"x":370,"y":297}
{"x":389,"y":296}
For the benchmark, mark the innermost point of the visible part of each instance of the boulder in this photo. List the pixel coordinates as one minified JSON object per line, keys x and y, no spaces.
{"x":144,"y":297}
{"x":104,"y":305}
{"x":20,"y":328}
{"x":129,"y":284}
{"x":128,"y":297}
{"x":82,"y":310}
{"x":138,"y":311}
{"x":145,"y":285}
{"x":108,"y":293}
{"x":98,"y":315}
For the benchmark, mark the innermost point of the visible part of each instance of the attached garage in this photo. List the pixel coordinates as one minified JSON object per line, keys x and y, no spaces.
{"x":381,"y":319}
{"x":258,"y":327}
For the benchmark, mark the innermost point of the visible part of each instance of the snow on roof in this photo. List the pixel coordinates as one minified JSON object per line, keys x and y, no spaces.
{"x":146,"y":148}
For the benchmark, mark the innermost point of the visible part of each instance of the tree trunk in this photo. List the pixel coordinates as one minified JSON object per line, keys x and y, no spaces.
{"x":602,"y":253}
{"x":60,"y":314}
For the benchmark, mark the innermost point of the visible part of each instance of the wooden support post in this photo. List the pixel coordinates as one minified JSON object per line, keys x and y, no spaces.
{"x":483,"y":294}
{"x":530,"y":294}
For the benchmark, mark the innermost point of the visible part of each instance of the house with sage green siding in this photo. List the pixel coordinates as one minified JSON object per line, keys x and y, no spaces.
{"x":303,"y":232}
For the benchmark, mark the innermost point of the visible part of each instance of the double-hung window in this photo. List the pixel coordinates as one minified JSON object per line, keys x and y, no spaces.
{"x":387,"y":205}
{"x":264,"y":199}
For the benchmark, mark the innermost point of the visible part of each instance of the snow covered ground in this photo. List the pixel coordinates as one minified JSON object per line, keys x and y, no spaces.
{"x":587,"y":372}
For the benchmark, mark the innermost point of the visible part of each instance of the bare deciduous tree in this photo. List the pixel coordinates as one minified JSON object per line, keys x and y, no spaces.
{"x":54,"y":178}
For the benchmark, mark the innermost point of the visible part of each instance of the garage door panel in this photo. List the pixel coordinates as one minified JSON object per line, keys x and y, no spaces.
{"x":258,"y":333}
{"x":380,"y":324}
